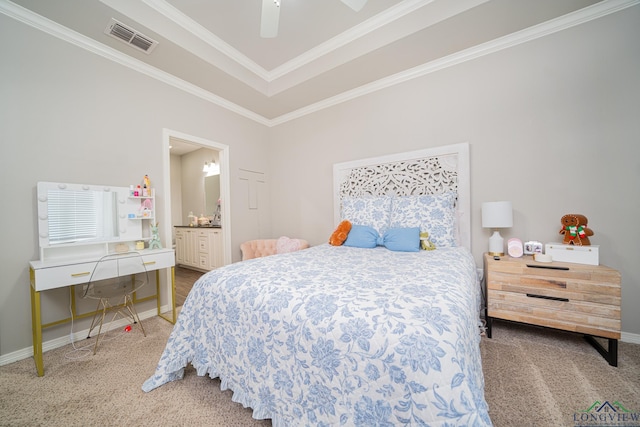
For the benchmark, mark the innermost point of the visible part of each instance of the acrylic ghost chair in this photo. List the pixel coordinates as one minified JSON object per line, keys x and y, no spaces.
{"x":113,"y":282}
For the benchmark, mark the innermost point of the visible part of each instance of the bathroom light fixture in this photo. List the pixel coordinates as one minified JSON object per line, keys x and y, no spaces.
{"x":211,"y":168}
{"x":497,"y":215}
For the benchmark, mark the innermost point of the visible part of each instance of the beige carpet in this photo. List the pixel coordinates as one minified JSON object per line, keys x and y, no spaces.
{"x":543,"y":377}
{"x":533,"y":377}
{"x":105,"y":389}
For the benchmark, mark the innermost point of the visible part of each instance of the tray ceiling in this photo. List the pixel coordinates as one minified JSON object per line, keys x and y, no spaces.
{"x":324,"y":53}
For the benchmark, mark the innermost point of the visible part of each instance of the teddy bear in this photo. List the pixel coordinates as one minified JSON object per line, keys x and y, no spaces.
{"x":575,"y":230}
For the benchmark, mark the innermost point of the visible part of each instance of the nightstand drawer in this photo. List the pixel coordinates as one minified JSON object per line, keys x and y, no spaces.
{"x":573,"y":297}
{"x":561,"y":313}
{"x":572,"y":286}
{"x":556,"y":271}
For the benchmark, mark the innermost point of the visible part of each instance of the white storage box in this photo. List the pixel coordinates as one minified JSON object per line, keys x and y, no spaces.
{"x":571,"y":253}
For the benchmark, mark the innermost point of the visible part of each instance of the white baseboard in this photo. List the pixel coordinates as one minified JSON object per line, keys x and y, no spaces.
{"x":630,"y":338}
{"x":24,"y":353}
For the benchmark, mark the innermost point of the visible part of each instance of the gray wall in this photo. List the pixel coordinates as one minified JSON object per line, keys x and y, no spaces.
{"x":553,"y":127}
{"x":71,"y":116}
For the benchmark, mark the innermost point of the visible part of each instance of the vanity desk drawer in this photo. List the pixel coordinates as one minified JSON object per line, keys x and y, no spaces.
{"x":61,"y":276}
{"x":58,"y":274}
{"x":158,"y":259}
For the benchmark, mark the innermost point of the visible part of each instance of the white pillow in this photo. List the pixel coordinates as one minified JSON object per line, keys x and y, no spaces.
{"x":371,"y":211}
{"x":434,"y":214}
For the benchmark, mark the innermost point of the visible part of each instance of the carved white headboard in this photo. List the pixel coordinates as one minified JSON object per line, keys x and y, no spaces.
{"x":429,"y":171}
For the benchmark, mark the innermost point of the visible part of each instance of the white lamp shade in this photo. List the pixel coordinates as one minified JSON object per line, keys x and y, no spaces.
{"x":497,"y":215}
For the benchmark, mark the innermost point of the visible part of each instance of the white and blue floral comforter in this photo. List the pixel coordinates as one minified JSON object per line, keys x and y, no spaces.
{"x":339,"y":336}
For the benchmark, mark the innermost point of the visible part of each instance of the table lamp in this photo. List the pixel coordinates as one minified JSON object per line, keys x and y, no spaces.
{"x":497,"y":215}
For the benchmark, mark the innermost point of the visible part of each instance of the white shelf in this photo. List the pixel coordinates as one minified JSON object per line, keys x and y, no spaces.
{"x":136,"y":202}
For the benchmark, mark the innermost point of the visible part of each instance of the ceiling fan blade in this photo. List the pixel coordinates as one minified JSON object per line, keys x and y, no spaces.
{"x":270,"y":18}
{"x":355,"y":4}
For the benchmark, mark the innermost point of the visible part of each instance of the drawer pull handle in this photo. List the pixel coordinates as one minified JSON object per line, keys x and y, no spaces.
{"x":546,"y":297}
{"x":86,"y":273}
{"x":550,"y":267}
{"x":149,"y":263}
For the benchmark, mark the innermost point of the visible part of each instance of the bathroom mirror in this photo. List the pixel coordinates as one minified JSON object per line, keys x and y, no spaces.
{"x":211,"y":194}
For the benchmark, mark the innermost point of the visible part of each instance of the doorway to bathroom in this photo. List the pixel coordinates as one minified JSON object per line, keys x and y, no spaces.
{"x":190,"y":162}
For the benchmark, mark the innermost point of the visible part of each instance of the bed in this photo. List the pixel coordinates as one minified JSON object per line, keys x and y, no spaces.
{"x":350,"y":334}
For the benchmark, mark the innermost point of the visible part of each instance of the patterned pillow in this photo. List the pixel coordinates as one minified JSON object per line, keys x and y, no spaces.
{"x":434,"y":214}
{"x":285,"y":244}
{"x":371,"y":211}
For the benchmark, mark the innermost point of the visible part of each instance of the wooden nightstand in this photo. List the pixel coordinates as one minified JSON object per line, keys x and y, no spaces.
{"x":572,"y":297}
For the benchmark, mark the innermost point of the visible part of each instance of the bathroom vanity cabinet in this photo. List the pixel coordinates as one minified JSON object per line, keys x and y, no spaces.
{"x":199,"y":248}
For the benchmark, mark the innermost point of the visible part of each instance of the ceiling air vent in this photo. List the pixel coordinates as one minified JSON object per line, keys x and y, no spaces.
{"x":130,"y":36}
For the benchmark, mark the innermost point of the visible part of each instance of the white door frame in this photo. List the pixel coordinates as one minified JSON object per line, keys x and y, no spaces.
{"x":225,"y":188}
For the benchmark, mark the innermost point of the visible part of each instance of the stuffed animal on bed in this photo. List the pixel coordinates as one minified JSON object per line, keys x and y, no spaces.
{"x":340,"y":234}
{"x":575,"y":230}
{"x":425,"y":243}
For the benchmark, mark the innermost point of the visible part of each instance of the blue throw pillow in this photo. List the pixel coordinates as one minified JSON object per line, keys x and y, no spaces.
{"x":362,"y":236}
{"x":402,"y":239}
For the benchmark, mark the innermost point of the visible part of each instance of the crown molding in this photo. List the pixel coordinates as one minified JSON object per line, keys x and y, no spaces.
{"x":370,"y":25}
{"x":249,"y":71}
{"x":173,"y":14}
{"x":579,"y":17}
{"x":188,"y":24}
{"x":54,"y":29}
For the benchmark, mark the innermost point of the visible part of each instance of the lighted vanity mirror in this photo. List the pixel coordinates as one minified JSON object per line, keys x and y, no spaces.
{"x":77,"y":216}
{"x":72,"y":215}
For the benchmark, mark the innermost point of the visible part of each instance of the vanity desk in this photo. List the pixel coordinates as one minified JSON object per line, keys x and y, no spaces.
{"x":66,"y":261}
